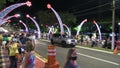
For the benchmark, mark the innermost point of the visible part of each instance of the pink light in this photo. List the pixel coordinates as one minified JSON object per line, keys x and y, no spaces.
{"x":28,"y":15}
{"x":28,"y":3}
{"x":85,"y":20}
{"x":8,"y":20}
{"x":17,"y":15}
{"x":48,"y":6}
{"x":94,"y":21}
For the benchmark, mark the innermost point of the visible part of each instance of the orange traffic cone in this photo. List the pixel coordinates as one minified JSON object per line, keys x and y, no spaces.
{"x":116,"y":50}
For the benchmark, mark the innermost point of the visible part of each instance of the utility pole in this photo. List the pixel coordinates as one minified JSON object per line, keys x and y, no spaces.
{"x":113,"y":22}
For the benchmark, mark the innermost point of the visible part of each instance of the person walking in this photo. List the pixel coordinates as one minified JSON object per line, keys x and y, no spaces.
{"x":22,"y":38}
{"x":13,"y":51}
{"x":29,"y":59}
{"x":71,"y":59}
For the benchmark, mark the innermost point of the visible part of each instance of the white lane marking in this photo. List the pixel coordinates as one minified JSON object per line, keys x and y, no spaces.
{"x":99,"y":59}
{"x":96,"y":50}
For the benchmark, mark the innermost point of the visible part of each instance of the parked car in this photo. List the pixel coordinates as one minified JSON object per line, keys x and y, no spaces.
{"x":65,"y":40}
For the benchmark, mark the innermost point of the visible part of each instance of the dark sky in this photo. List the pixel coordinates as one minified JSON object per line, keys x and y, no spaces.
{"x":80,"y":8}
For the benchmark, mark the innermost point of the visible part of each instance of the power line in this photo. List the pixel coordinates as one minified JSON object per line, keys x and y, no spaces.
{"x":78,"y":12}
{"x":100,"y":6}
{"x":92,"y":12}
{"x":80,"y":5}
{"x":83,"y":13}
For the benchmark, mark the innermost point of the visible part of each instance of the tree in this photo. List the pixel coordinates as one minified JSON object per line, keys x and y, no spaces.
{"x":48,"y":18}
{"x":3,"y":3}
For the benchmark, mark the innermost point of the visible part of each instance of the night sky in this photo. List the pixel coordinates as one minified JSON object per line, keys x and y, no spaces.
{"x":80,"y":8}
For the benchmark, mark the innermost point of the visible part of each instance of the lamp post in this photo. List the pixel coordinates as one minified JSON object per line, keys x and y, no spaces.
{"x":113,"y":21}
{"x":119,"y":30}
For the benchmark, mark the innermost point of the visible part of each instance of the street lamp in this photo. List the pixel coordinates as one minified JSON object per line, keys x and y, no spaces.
{"x":119,"y":30}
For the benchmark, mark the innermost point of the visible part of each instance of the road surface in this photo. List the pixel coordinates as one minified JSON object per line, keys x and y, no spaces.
{"x":87,"y":58}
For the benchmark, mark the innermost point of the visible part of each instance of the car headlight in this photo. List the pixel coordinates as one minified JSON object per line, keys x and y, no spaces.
{"x":68,"y":41}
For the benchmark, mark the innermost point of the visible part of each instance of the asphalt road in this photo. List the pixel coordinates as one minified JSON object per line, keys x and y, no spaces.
{"x":87,"y":58}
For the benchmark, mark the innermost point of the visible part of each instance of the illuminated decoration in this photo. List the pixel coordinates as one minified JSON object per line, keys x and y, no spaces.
{"x":67,"y":29}
{"x":7,"y":10}
{"x":75,"y":28}
{"x":58,"y":17}
{"x":26,"y":28}
{"x":8,"y":21}
{"x":110,"y":27}
{"x":50,"y":30}
{"x":4,"y":20}
{"x":38,"y":28}
{"x":79,"y":27}
{"x":100,"y":36}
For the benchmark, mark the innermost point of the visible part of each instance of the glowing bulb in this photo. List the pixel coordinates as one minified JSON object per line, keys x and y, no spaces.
{"x":17,"y":15}
{"x":28,"y":3}
{"x":48,"y":6}
{"x":85,"y":20}
{"x":8,"y":20}
{"x":28,"y":15}
{"x":20,"y":21}
{"x":94,"y":22}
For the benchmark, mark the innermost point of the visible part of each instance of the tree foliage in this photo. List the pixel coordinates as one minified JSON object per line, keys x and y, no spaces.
{"x":47,"y":17}
{"x":3,"y":3}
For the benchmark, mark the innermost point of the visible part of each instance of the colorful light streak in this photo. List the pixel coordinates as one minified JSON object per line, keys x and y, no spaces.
{"x":38,"y":28}
{"x":79,"y":26}
{"x":69,"y":32}
{"x":4,"y":20}
{"x":58,"y":17}
{"x":8,"y":9}
{"x":26,"y":28}
{"x":100,"y":36}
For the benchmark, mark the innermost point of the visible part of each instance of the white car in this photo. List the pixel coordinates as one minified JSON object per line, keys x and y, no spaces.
{"x":64,"y":40}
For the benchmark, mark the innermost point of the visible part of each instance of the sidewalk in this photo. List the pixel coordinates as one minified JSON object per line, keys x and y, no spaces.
{"x":4,"y":60}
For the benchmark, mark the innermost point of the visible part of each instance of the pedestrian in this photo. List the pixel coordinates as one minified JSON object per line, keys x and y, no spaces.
{"x":1,"y":38}
{"x":32,"y":39}
{"x":71,"y":59}
{"x":81,"y":40}
{"x":22,"y":38}
{"x":93,"y":41}
{"x":4,"y":41}
{"x":13,"y":52}
{"x":29,"y":59}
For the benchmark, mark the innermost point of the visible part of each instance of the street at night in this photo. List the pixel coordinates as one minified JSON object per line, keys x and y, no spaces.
{"x":60,"y":34}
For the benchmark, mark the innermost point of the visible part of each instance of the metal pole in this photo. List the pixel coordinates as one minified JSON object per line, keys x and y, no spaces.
{"x":119,"y":30}
{"x":113,"y":21}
